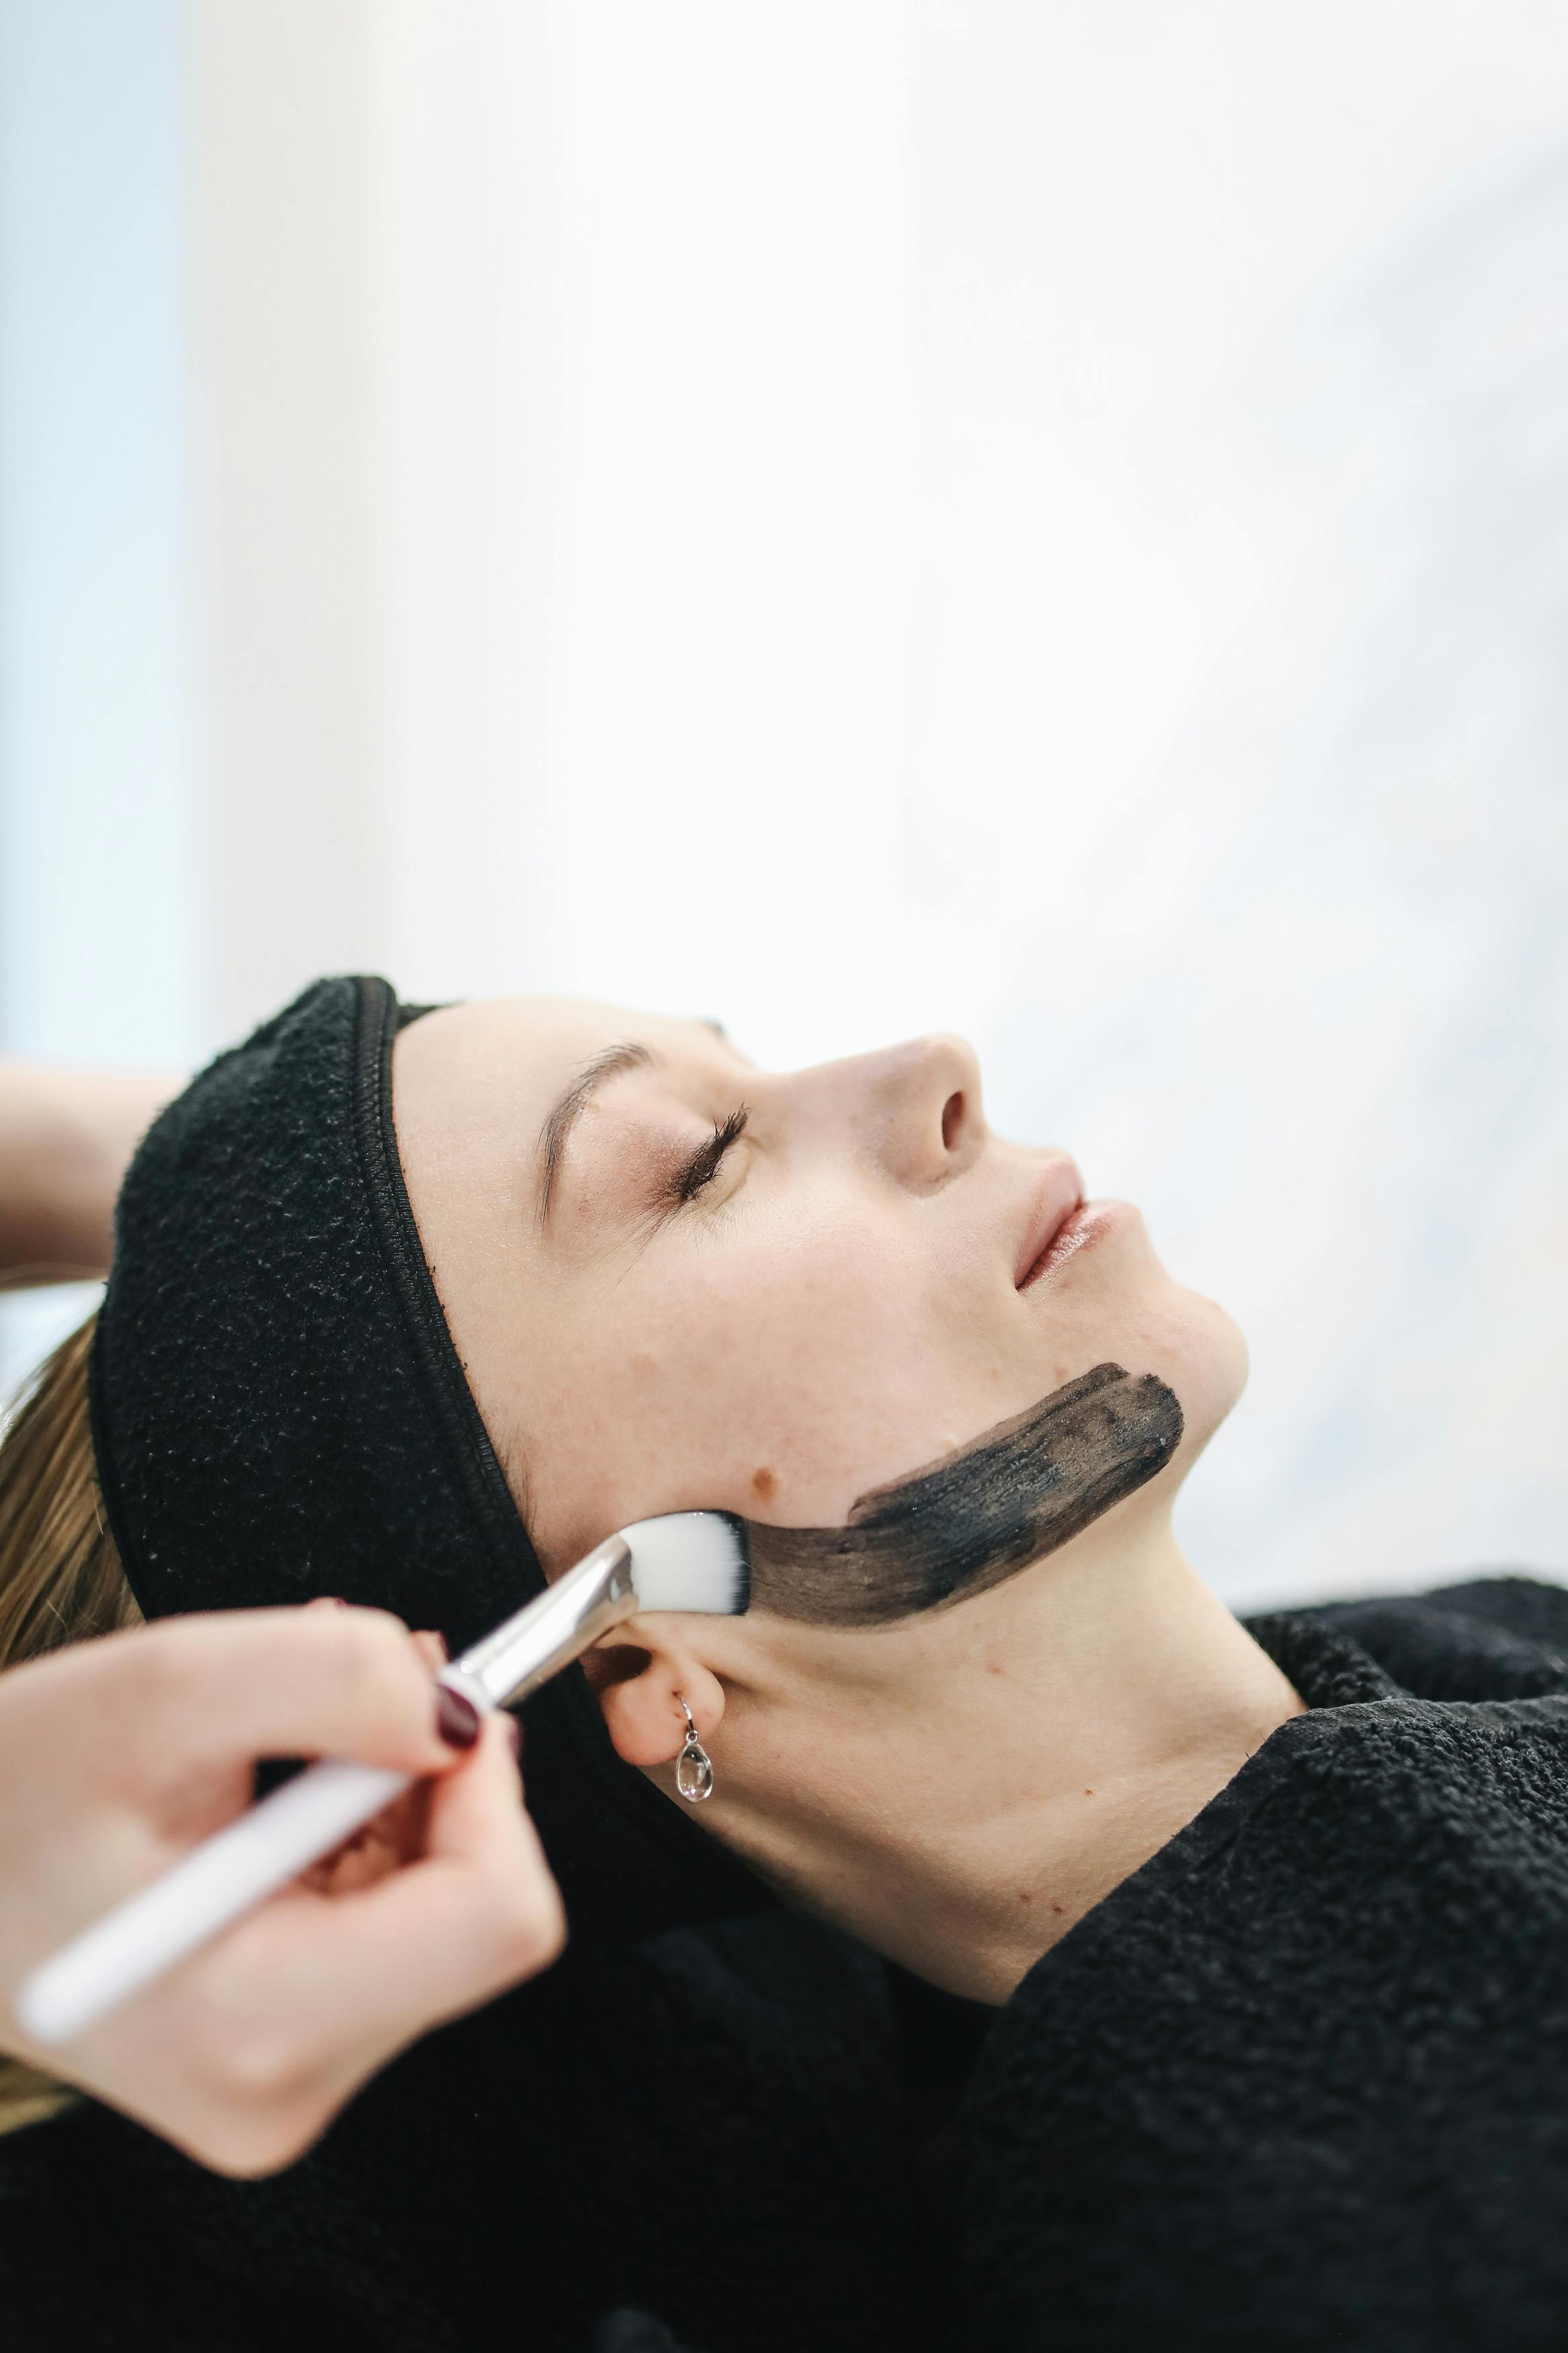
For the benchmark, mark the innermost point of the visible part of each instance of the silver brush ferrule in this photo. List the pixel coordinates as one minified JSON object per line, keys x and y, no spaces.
{"x":551,"y":1630}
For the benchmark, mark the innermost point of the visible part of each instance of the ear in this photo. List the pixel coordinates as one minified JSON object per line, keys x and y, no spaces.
{"x":641,"y":1683}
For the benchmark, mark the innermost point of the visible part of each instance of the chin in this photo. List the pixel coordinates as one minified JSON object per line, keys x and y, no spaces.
{"x":1118,"y":1301}
{"x":1206,"y":1362}
{"x":1188,"y":1339}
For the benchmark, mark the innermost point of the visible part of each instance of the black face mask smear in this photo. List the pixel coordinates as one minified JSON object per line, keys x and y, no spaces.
{"x":966,"y":1523}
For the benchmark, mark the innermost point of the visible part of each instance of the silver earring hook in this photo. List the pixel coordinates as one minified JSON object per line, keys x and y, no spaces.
{"x":693,"y":1767}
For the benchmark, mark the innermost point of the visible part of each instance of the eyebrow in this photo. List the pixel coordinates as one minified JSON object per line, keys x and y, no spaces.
{"x":558,"y":1127}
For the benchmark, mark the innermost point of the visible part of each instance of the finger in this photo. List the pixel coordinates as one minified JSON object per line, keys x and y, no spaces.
{"x":201,"y":1692}
{"x":479,"y":1817}
{"x":395,"y":1838}
{"x":473,"y":1812}
{"x":370,"y":1970}
{"x":296,"y":2007}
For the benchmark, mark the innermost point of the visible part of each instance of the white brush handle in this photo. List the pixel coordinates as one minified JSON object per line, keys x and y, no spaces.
{"x":213,"y":1885}
{"x":228,"y":1875}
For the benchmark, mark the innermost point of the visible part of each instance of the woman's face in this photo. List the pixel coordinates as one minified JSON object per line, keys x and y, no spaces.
{"x":678,"y":1282}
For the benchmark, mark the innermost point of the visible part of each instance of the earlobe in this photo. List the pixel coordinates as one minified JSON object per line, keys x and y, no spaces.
{"x":643,"y":1712}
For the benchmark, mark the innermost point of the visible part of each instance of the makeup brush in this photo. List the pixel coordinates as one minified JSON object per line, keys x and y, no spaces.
{"x":695,"y":1561}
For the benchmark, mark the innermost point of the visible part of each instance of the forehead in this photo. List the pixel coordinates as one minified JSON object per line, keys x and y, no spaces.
{"x":510,"y":1057}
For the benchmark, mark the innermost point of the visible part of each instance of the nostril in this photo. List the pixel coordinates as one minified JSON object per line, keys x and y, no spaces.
{"x":951,"y":1121}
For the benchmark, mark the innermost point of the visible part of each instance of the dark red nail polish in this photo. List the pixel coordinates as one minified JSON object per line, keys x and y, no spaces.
{"x":456,"y":1718}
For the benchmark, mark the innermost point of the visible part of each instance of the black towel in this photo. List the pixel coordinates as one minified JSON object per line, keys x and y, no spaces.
{"x":1301,"y":2081}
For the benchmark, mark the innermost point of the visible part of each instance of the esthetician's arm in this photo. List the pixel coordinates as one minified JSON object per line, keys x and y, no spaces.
{"x":64,"y":1138}
{"x":116,"y":1755}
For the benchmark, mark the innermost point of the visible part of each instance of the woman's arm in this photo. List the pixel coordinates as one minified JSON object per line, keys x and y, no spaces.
{"x":117,"y":1756}
{"x":64,"y":1139}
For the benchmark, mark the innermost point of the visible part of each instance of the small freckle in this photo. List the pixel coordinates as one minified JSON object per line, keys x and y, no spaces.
{"x":995,"y":1667}
{"x":1056,"y":1907}
{"x":1089,"y":1793}
{"x":764,"y":1483}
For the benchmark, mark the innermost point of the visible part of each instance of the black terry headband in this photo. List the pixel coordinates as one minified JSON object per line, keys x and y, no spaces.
{"x":279,"y":1412}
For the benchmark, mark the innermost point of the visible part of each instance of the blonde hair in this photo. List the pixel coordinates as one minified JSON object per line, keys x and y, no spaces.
{"x":61,"y":1581}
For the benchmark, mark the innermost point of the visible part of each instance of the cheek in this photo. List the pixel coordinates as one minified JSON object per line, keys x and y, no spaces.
{"x":764,"y":1372}
{"x":789,"y":1358}
{"x":781,"y":1369}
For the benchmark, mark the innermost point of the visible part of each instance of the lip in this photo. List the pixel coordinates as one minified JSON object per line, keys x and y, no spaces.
{"x":1079,"y":1231}
{"x":1060,"y":1194}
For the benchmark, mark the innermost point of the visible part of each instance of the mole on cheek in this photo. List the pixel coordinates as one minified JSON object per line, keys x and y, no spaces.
{"x":764,"y":1483}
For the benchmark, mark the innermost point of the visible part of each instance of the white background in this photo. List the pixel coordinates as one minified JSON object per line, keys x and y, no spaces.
{"x":1045,"y":521}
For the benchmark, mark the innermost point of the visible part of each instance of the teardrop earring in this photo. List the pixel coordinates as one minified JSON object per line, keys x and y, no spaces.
{"x":693,"y":1767}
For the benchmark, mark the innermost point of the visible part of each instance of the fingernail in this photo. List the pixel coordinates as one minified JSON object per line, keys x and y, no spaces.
{"x":456,"y":1718}
{"x":514,"y":1734}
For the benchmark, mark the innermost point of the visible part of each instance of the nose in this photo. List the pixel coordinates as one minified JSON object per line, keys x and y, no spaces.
{"x":916,"y":1108}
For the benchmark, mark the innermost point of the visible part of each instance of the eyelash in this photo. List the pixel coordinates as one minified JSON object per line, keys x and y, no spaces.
{"x":708,"y":1160}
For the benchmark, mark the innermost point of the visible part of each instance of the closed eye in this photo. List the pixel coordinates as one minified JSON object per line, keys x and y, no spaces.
{"x":707,"y":1160}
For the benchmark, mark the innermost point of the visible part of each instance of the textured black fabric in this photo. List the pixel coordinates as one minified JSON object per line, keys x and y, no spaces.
{"x":279,"y":1412}
{"x":1301,"y":2081}
{"x":696,"y":2129}
{"x":633,"y":2332}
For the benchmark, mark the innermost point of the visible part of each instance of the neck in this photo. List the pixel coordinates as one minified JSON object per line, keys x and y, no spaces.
{"x":958,"y":1790}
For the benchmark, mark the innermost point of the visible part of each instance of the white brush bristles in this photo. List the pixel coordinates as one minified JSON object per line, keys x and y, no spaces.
{"x":690,"y":1560}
